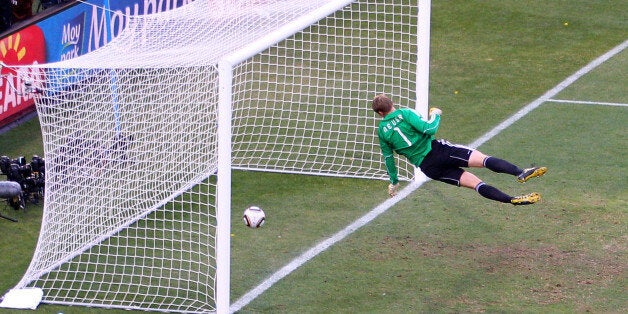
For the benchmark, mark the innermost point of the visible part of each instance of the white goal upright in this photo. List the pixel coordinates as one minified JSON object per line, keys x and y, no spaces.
{"x":141,"y":136}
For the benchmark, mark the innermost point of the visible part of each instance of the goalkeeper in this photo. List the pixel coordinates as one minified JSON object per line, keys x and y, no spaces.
{"x":404,"y":132}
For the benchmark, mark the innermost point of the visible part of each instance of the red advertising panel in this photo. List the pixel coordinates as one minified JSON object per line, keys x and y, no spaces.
{"x":24,"y":47}
{"x":72,"y":30}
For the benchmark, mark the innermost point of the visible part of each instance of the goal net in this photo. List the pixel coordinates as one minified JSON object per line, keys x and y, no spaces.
{"x":140,"y":136}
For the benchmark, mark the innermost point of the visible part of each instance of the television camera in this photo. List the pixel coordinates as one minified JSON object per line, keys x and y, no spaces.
{"x":30,"y":177}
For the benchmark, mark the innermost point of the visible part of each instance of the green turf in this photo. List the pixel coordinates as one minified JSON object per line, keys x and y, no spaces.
{"x":444,"y":249}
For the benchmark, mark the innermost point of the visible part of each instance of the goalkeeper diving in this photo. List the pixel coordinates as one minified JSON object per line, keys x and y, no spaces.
{"x":403,"y":131}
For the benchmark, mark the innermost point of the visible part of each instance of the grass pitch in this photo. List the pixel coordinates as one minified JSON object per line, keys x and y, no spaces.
{"x":445,"y":249}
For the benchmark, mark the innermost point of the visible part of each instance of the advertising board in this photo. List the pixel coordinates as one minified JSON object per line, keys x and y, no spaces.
{"x":69,"y":33}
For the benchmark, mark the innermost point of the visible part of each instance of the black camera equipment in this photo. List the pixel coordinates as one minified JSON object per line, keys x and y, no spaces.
{"x":12,"y":192}
{"x":29,"y":176}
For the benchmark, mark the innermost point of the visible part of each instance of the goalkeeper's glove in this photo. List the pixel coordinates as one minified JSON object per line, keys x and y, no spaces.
{"x":435,"y":110}
{"x":392,"y":189}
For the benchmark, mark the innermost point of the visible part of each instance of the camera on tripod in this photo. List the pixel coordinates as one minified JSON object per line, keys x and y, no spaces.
{"x":30,"y":177}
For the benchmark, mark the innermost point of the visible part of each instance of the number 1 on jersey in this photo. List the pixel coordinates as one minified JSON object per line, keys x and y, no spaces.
{"x":403,"y":136}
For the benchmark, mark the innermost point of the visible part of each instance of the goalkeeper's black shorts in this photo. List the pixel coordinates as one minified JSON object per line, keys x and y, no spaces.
{"x":445,"y":161}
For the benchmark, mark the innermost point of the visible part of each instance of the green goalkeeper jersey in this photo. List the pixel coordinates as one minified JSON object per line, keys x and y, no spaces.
{"x":404,"y":132}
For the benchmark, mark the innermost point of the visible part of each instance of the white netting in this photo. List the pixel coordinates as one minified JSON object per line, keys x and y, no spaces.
{"x":130,"y":136}
{"x":129,"y":214}
{"x":303,"y":106}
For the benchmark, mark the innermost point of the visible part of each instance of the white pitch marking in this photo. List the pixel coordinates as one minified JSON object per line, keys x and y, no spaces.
{"x":596,"y":103}
{"x":383,"y":207}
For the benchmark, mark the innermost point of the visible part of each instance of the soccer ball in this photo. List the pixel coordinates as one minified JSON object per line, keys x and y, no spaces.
{"x":254,"y":217}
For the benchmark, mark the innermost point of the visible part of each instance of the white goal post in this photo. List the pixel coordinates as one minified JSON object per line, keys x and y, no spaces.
{"x":141,"y":136}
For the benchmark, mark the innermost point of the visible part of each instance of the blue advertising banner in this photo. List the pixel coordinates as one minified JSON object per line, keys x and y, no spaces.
{"x":74,"y":31}
{"x":86,"y":27}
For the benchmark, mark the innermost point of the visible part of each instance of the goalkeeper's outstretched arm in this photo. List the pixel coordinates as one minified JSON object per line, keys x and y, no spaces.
{"x":391,"y":168}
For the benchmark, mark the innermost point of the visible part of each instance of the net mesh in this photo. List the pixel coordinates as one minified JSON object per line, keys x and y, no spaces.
{"x":130,"y":137}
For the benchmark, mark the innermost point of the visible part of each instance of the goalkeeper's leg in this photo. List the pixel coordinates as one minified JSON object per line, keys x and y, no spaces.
{"x":478,"y":159}
{"x":445,"y":165}
{"x":469,"y":180}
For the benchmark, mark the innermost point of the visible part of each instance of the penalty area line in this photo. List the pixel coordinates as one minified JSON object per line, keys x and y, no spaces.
{"x":581,"y":102}
{"x":383,"y":207}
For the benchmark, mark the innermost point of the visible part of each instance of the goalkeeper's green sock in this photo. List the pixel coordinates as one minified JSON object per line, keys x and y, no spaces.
{"x":492,"y":193}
